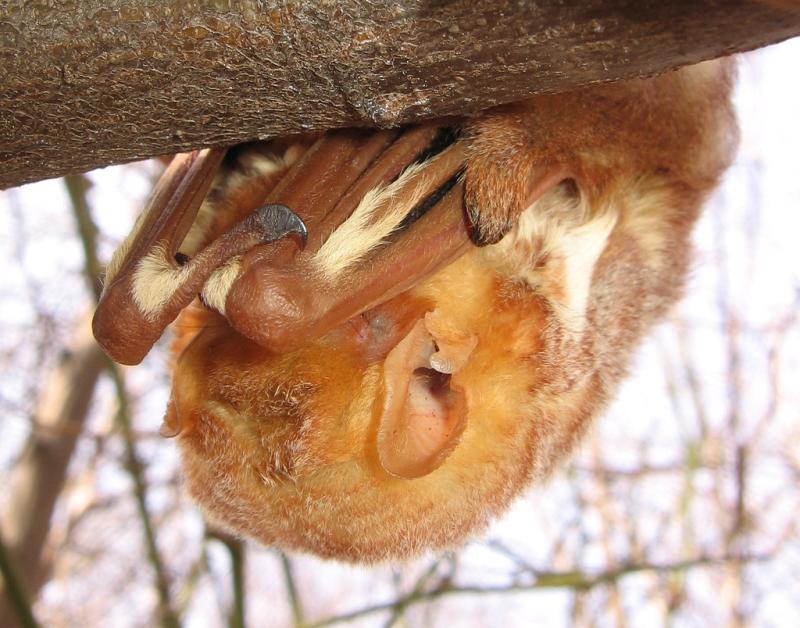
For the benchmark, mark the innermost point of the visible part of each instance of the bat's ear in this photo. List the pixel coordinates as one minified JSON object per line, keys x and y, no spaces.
{"x":424,"y":412}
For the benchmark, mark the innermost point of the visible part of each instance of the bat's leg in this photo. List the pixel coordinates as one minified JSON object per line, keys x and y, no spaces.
{"x":507,"y":169}
{"x":146,"y":286}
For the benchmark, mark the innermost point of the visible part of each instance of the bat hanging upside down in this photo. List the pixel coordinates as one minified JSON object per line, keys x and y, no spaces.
{"x":399,"y":330}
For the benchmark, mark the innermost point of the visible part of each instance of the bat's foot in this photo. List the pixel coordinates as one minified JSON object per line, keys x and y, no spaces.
{"x":505,"y":174}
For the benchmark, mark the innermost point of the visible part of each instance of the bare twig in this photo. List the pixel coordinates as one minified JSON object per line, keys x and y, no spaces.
{"x":236,"y":549}
{"x":15,"y":589}
{"x":87,"y":232}
{"x":190,"y":582}
{"x":419,"y":586}
{"x":136,"y":470}
{"x":291,"y":590}
{"x":77,"y":186}
{"x":575,"y":580}
{"x":40,"y":474}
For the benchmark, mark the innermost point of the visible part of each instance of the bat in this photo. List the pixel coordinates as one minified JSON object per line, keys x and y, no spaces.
{"x":384,"y":336}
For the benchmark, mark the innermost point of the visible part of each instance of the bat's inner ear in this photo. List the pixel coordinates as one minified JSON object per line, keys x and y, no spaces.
{"x":423,"y":411}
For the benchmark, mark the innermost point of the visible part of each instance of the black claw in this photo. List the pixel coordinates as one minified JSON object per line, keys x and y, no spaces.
{"x":278,"y":221}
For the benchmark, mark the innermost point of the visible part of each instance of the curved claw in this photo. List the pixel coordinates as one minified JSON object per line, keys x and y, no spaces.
{"x":277,"y":221}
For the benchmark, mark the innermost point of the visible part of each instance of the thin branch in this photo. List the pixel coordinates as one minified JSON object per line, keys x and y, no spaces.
{"x":291,"y":589}
{"x":236,"y":549}
{"x":87,"y":231}
{"x":575,"y":580}
{"x":39,"y":475}
{"x":189,"y":584}
{"x":15,"y":589}
{"x":420,"y":585}
{"x":136,"y":470}
{"x":59,"y":417}
{"x":77,"y":186}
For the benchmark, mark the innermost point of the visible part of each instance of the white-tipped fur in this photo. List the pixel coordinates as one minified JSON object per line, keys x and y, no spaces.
{"x":378,"y":214}
{"x":644,"y":217}
{"x":252,"y":164}
{"x":215,"y":290}
{"x":582,"y":248}
{"x":554,"y":248}
{"x":155,"y":280}
{"x":119,"y":256}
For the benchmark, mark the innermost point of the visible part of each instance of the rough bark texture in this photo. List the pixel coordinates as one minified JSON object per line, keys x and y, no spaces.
{"x":87,"y":83}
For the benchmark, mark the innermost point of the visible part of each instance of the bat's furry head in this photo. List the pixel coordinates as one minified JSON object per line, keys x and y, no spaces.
{"x":412,"y":425}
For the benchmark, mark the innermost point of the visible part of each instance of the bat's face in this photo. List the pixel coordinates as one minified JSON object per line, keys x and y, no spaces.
{"x":392,"y":387}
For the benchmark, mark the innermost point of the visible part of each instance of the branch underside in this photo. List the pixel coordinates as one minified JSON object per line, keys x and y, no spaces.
{"x":92,"y":83}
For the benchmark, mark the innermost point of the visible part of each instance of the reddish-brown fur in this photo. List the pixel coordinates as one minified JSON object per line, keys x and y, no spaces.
{"x":284,"y":448}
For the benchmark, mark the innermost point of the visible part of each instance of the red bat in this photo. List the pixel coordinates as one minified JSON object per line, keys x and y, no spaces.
{"x":454,"y":303}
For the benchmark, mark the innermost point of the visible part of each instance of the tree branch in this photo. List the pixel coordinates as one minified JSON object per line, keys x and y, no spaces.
{"x":39,"y":475}
{"x":236,"y":548}
{"x":574,"y":580}
{"x":291,"y":590}
{"x":89,"y":83}
{"x":167,"y":616}
{"x":14,"y":589}
{"x":77,"y":186}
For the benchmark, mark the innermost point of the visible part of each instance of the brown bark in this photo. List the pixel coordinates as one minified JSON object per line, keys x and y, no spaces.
{"x":87,"y":83}
{"x":40,"y":473}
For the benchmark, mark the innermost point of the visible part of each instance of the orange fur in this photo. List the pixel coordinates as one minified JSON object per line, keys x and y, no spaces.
{"x":283,"y":448}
